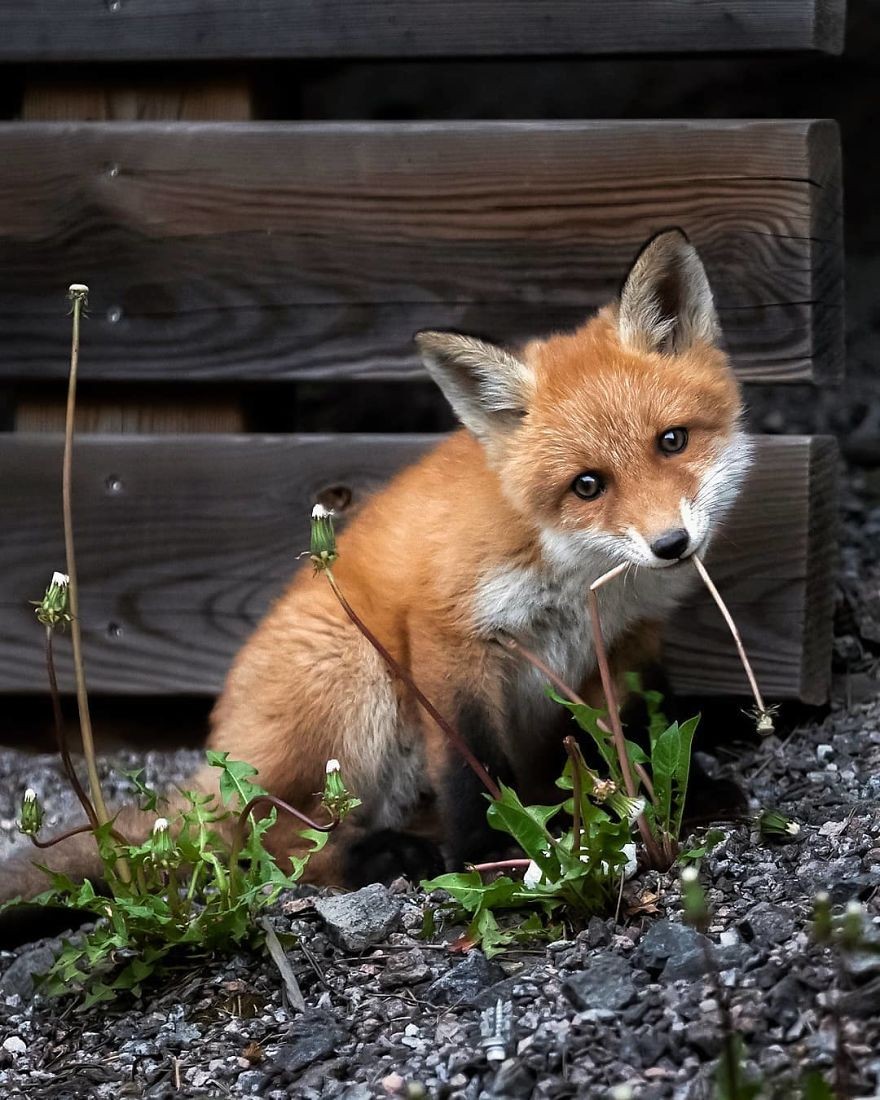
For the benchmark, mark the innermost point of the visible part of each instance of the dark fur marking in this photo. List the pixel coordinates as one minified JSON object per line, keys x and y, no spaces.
{"x":387,"y":854}
{"x":462,"y":803}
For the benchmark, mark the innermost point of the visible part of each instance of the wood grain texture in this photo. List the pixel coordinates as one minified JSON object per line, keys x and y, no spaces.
{"x":280,"y":251}
{"x":54,"y":30}
{"x":182,"y":543}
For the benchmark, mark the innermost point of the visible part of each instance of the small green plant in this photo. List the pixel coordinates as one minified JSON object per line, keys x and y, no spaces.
{"x":569,"y":872}
{"x":197,"y":882}
{"x":668,"y":757}
{"x":578,"y":849}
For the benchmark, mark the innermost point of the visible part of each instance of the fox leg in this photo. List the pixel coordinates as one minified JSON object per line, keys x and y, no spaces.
{"x":337,"y":699}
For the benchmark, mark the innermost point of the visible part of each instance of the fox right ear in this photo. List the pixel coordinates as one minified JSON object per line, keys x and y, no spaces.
{"x":487,"y":387}
{"x":666,"y":302}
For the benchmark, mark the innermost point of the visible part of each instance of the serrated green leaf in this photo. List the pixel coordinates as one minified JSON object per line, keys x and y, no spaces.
{"x":588,"y":719}
{"x":149,"y":799}
{"x":484,"y":930}
{"x":235,"y":779}
{"x":508,"y":815}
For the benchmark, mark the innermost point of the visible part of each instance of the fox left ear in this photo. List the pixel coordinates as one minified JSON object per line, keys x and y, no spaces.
{"x":487,"y":387}
{"x":666,"y":303}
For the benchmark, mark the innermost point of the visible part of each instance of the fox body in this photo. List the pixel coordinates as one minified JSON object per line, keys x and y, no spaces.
{"x":619,"y":442}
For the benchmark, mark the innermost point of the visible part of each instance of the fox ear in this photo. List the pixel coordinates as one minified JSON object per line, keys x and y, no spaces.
{"x":666,"y":302}
{"x":487,"y":387}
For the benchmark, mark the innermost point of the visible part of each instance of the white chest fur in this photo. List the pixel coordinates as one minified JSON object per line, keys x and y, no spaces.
{"x":546,"y":608}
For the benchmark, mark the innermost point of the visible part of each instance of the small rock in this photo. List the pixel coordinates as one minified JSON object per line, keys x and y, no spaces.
{"x":315,"y":1035}
{"x":14,"y":1045}
{"x":464,"y":982}
{"x":405,"y":968}
{"x":19,"y":978}
{"x":250,"y":1082}
{"x":514,"y":1079}
{"x":767,"y":923}
{"x":673,"y":950}
{"x":358,"y":920}
{"x":605,"y":983}
{"x":824,"y":752}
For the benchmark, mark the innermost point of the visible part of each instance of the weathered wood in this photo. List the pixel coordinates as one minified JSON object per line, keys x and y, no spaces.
{"x":116,"y":30}
{"x":121,"y":97}
{"x":270,"y":251}
{"x":183,"y":543}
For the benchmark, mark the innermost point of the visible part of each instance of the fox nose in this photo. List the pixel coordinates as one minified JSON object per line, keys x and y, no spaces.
{"x":671,"y":544}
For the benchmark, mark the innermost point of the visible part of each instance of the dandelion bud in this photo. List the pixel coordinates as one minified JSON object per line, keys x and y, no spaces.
{"x":764,"y":724}
{"x":78,"y":292}
{"x":323,"y":545}
{"x":772,"y":824}
{"x":336,"y":798}
{"x":31,"y":814}
{"x":53,"y":610}
{"x":603,"y":789}
{"x":626,"y":808}
{"x":822,"y":920}
{"x":852,"y":925}
{"x":164,"y":848}
{"x":696,"y":912}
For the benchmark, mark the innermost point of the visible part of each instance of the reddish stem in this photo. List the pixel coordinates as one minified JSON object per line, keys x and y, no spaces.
{"x":654,"y":853}
{"x":61,"y":735}
{"x":501,"y":865}
{"x":401,"y":673}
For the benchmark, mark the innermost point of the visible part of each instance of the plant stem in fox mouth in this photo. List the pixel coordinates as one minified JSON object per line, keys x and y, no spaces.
{"x":764,"y":715}
{"x":654,"y":853}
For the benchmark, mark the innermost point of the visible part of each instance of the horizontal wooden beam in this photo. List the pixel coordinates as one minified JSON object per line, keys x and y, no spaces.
{"x":267,"y":251}
{"x":182,"y":544}
{"x":146,"y":30}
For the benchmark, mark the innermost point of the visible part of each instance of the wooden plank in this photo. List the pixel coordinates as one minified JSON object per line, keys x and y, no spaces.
{"x":102,"y":96}
{"x":145,"y":30}
{"x":303,"y":251}
{"x":184,"y":542}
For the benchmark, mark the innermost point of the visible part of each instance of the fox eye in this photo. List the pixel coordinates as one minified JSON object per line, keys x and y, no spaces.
{"x":673,"y":440}
{"x":588,"y":486}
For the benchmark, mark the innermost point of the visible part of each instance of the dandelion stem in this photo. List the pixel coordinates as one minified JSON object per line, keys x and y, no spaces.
{"x":79,"y":296}
{"x":535,"y":661}
{"x":501,"y":865}
{"x":61,"y":734}
{"x":118,"y":837}
{"x":732,"y":627}
{"x":654,"y":853}
{"x":401,"y":673}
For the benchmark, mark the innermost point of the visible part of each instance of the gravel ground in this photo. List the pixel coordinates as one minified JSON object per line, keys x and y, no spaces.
{"x":625,"y":1002}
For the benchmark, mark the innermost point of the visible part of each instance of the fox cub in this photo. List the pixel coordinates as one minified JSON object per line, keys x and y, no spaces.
{"x":619,"y":442}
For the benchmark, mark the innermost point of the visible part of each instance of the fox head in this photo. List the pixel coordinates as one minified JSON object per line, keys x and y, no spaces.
{"x":620,"y":440}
